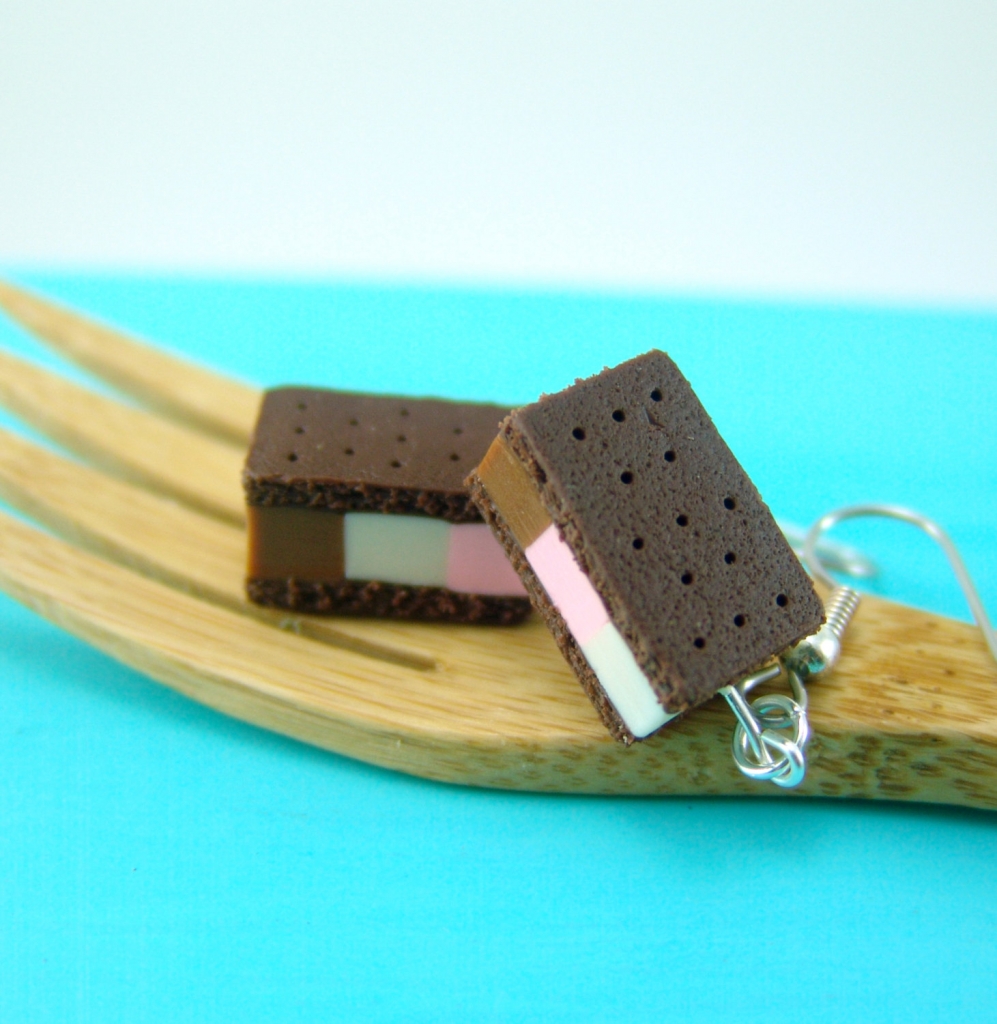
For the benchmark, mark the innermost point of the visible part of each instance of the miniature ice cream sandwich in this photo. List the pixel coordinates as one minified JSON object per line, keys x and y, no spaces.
{"x":357,"y":506}
{"x":643,"y":544}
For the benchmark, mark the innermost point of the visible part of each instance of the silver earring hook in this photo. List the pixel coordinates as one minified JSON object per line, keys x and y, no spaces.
{"x":904,"y":515}
{"x":835,"y":555}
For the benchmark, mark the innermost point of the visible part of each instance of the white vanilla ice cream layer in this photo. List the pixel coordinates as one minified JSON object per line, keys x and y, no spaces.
{"x":421,"y":552}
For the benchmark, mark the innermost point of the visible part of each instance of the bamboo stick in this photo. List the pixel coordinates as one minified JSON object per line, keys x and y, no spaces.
{"x":192,"y":395}
{"x":128,"y":442}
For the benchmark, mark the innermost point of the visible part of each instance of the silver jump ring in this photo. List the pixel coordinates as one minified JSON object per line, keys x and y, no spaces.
{"x":787,"y":768}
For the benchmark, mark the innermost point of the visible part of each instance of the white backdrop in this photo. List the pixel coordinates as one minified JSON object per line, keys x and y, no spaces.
{"x":838,"y":150}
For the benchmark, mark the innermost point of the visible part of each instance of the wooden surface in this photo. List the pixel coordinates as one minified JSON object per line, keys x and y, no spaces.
{"x":909,"y":713}
{"x":136,"y":444}
{"x":216,"y":405}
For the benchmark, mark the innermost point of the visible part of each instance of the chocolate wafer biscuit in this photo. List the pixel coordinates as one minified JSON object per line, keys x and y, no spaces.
{"x":640,"y":539}
{"x":357,"y":506}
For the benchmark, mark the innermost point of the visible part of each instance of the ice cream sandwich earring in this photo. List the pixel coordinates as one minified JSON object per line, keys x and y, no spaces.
{"x":356,"y":505}
{"x":658,"y":568}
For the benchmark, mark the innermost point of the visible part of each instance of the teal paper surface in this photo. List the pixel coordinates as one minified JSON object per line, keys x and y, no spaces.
{"x":161,"y":862}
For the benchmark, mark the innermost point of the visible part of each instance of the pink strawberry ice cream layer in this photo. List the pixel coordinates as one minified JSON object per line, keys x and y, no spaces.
{"x":567,"y":586}
{"x":476,"y":563}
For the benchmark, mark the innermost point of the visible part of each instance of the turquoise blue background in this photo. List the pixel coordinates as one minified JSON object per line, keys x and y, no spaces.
{"x":161,"y":862}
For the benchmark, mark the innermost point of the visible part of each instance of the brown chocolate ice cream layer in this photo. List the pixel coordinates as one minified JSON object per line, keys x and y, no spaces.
{"x":367,"y":453}
{"x":289,"y":540}
{"x":686,"y":556}
{"x":512,"y":491}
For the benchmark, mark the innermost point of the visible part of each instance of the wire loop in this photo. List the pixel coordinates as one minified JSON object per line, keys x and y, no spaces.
{"x":904,"y":515}
{"x":769,"y":743}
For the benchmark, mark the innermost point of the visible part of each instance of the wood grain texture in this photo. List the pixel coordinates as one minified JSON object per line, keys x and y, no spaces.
{"x":191,"y":395}
{"x":128,"y":442}
{"x":909,"y":713}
